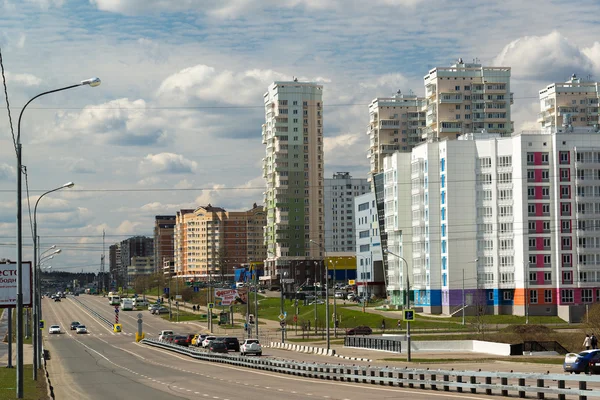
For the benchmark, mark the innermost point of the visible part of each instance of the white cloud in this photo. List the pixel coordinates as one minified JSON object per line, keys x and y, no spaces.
{"x":23,"y":79}
{"x":127,"y":227}
{"x":7,"y":172}
{"x":546,"y":58}
{"x":167,"y":163}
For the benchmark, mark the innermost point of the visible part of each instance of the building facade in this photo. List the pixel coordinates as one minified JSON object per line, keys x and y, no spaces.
{"x":571,"y":104}
{"x":164,"y":234}
{"x":293,"y":170}
{"x":114,"y":266}
{"x":139,"y":266}
{"x":339,"y":193}
{"x":370,"y":278}
{"x":513,"y":220}
{"x":467,"y":97}
{"x":395,"y":124}
{"x":210,"y":241}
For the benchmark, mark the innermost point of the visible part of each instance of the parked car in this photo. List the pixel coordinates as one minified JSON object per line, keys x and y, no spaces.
{"x":81,"y":329}
{"x":181,"y":340}
{"x":577,"y":363}
{"x":351,"y":296}
{"x":170,"y":338}
{"x":339,"y":295}
{"x":218,"y":346}
{"x":207,"y":340}
{"x":54,"y":329}
{"x":232,"y":343}
{"x":74,"y":325}
{"x":251,"y":346}
{"x":318,"y":301}
{"x":359,"y":330}
{"x":594,"y":364}
{"x":189,"y":338}
{"x":160,"y":310}
{"x":163,"y":334}
{"x":198,"y":339}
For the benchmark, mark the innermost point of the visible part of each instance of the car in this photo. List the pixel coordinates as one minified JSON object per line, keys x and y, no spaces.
{"x":319,"y":301}
{"x":81,"y":329}
{"x":199,"y":339}
{"x":181,"y":340}
{"x":74,"y":325}
{"x":251,"y":346}
{"x":218,"y":346}
{"x":351,"y":296}
{"x":54,"y":329}
{"x":189,"y":338}
{"x":577,"y":363}
{"x":359,"y":330}
{"x":232,"y":343}
{"x":57,"y":299}
{"x":594,"y":364}
{"x":160,"y":310}
{"x":163,"y":334}
{"x":76,"y":294}
{"x":339,"y":295}
{"x":207,"y":340}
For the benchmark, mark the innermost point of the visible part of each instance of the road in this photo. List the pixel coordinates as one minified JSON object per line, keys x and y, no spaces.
{"x":103,"y":365}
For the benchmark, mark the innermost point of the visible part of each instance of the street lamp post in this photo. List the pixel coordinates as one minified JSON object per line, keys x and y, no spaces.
{"x":37,"y":303}
{"x":282,"y":284}
{"x":408,"y":350}
{"x":90,"y":82}
{"x":326,"y":295}
{"x":335,"y":316}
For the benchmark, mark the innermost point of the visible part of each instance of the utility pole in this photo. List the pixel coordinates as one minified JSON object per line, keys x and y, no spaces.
{"x":463,"y":297}
{"x":102,"y":264}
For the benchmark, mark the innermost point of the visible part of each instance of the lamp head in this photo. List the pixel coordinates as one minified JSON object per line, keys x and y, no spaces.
{"x":92,"y":82}
{"x":57,"y":251}
{"x":68,"y":185}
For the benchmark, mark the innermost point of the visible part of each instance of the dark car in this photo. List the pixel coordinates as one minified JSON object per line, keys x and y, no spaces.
{"x":594,"y":364}
{"x":57,"y":299}
{"x":218,"y":346}
{"x":232,"y":343}
{"x":359,"y":330}
{"x":577,"y":363}
{"x":181,"y":340}
{"x":169,"y":338}
{"x":74,"y":325}
{"x":189,"y":338}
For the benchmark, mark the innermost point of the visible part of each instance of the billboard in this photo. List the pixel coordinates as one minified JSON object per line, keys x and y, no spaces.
{"x":228,"y":297}
{"x":8,"y":284}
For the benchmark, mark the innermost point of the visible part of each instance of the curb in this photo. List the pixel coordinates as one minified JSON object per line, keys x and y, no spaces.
{"x":353,"y":358}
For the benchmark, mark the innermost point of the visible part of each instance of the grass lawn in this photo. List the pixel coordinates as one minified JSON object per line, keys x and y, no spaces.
{"x":26,"y":340}
{"x":32,"y":390}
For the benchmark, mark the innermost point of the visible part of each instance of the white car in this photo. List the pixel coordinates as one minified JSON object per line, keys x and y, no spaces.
{"x":54,"y":329}
{"x":81,"y":329}
{"x":163,"y":334}
{"x":207,"y":340}
{"x":251,"y":346}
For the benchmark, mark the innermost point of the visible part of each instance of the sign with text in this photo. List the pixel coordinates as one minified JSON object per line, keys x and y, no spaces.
{"x":227,"y":297}
{"x":8,"y":284}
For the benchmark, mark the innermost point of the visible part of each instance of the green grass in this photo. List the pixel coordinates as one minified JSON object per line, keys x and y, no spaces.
{"x":32,"y":390}
{"x":27,"y":340}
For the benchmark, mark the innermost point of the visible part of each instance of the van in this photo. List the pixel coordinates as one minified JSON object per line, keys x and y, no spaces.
{"x":164,"y":333}
{"x":139,"y":302}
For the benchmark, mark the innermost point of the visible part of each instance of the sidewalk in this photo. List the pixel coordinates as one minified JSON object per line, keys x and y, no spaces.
{"x":27,"y":354}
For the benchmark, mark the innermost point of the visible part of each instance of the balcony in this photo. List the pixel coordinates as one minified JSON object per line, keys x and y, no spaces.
{"x":446,"y":98}
{"x":451,"y":129}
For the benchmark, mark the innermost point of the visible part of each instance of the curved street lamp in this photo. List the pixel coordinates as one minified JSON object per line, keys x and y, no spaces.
{"x":37,"y":289}
{"x":92,"y":82}
{"x":408,"y":355}
{"x":326,"y":293}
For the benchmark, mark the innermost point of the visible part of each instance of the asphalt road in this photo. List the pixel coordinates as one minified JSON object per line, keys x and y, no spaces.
{"x":104,"y":365}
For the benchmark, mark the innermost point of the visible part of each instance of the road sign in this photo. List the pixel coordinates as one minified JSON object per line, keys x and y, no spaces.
{"x":281,"y":317}
{"x":140,"y":315}
{"x":166,"y":290}
{"x":409,"y":315}
{"x":211,"y":305}
{"x":116,"y":310}
{"x":282,"y":323}
{"x":41,"y":324}
{"x":178,"y":297}
{"x":196,"y":289}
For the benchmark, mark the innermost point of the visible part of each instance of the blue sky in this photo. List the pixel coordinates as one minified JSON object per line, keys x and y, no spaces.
{"x":177,"y":120}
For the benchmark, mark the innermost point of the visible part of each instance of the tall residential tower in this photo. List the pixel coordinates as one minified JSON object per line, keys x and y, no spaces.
{"x":293,"y":170}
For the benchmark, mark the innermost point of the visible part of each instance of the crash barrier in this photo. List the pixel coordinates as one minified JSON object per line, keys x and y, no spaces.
{"x":50,"y":387}
{"x":542,"y":346}
{"x":303,"y":349}
{"x":482,"y":382}
{"x":95,"y":313}
{"x":374,"y":343}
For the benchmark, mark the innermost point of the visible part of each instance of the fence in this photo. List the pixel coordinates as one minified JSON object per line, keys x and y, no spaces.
{"x":483,"y":382}
{"x":375,"y":343}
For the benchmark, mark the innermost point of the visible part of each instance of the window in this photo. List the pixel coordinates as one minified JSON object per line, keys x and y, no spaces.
{"x":547,"y":296}
{"x":564,"y":157}
{"x":533,"y":277}
{"x":529,"y":158}
{"x":531,"y":192}
{"x":567,"y":277}
{"x":565,"y":192}
{"x":586,"y":295}
{"x":545,"y":158}
{"x":547,"y":277}
{"x":507,"y":296}
{"x":565,"y":226}
{"x":533,"y":296}
{"x":564,"y":174}
{"x":566,"y":295}
{"x":530,"y":175}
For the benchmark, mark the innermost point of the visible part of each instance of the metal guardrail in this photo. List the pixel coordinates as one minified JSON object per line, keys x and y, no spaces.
{"x":374,"y":342}
{"x":95,"y":313}
{"x":483,"y":382}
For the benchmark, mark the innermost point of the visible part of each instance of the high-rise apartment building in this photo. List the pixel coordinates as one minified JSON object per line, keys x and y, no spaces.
{"x":114,"y":265}
{"x":395,"y":124}
{"x":210,"y":242}
{"x":164,"y":232}
{"x":467,"y":98}
{"x":513,"y":219}
{"x":340,"y":192}
{"x":120,"y":256}
{"x":570,"y":104}
{"x":370,"y":279}
{"x":293,"y":169}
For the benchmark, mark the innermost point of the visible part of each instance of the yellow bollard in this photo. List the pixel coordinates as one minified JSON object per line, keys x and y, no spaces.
{"x":117,"y":328}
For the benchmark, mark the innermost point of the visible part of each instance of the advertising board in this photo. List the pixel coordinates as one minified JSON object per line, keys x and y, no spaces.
{"x":227,"y":297}
{"x":8,"y":285}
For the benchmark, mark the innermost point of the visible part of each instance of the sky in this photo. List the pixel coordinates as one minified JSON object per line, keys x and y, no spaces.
{"x":176,"y":122}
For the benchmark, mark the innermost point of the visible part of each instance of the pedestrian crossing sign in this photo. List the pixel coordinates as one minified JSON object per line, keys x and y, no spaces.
{"x":409,"y":315}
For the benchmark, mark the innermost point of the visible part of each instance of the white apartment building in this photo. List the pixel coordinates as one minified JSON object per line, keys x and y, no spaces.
{"x":369,"y":258}
{"x":467,"y":97}
{"x":339,"y":193}
{"x":293,"y":170}
{"x":515,"y":220}
{"x":395,"y":124}
{"x":572,"y":103}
